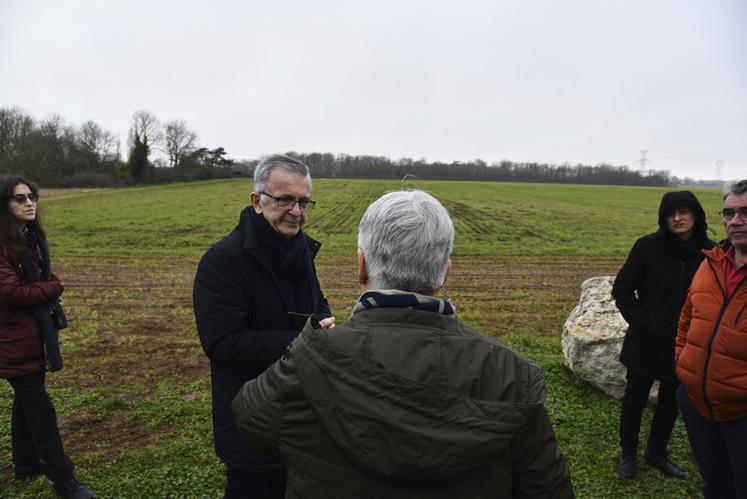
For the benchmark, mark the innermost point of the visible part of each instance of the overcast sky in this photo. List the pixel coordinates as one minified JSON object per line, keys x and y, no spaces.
{"x":577,"y":81}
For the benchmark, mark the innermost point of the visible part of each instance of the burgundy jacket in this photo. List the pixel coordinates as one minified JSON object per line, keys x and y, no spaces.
{"x":21,"y":346}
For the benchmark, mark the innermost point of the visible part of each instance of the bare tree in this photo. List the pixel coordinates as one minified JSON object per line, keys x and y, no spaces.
{"x":179,"y":141}
{"x":16,"y":128}
{"x":147,"y":127}
{"x":103,"y":144}
{"x":52,"y":149}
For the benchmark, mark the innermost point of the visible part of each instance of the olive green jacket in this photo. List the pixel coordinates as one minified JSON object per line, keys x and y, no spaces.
{"x":400,"y":403}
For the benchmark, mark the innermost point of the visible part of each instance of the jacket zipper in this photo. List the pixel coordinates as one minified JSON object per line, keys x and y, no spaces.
{"x":716,"y":325}
{"x":710,"y":342}
{"x":682,"y":270}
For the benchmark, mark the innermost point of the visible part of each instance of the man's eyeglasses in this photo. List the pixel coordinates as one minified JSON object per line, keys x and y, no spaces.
{"x":728,"y":213}
{"x":289,"y":201}
{"x":21,"y":198}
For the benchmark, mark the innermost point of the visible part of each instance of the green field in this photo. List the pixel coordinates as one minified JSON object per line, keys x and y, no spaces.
{"x":133,"y":401}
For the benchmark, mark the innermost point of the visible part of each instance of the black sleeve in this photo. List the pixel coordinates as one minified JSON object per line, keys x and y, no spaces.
{"x":221,"y":310}
{"x":322,"y":305}
{"x":628,"y":281}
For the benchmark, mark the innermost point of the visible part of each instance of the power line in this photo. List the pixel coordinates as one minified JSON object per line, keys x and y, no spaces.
{"x":643,"y":159}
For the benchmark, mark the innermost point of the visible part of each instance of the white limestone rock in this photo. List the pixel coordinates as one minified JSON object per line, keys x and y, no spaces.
{"x":593,"y":336}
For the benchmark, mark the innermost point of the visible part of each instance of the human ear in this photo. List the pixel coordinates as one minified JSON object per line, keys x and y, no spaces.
{"x":254,"y":198}
{"x":362,"y":271}
{"x":448,"y":271}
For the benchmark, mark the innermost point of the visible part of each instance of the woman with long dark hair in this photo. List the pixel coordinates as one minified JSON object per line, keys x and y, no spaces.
{"x":30,"y":316}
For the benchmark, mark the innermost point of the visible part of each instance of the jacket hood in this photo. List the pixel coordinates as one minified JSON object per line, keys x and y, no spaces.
{"x":671,"y":200}
{"x":404,"y":431}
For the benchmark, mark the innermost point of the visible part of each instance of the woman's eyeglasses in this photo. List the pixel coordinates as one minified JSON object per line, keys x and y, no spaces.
{"x":21,"y":198}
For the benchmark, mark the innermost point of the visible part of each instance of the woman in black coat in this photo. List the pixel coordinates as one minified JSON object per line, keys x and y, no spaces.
{"x":649,"y":292}
{"x":30,"y":316}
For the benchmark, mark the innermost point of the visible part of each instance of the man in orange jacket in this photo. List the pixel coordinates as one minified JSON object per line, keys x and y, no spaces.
{"x":711,"y":356}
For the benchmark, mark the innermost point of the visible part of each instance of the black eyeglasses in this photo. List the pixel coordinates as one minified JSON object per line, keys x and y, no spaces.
{"x":289,"y":201}
{"x":728,"y":213}
{"x":21,"y":198}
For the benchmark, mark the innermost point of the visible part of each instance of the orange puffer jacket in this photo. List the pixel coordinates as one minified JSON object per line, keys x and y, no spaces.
{"x":711,"y":348}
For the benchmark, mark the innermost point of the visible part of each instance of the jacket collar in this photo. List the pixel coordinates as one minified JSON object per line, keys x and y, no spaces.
{"x":405,"y":315}
{"x":718,"y":252}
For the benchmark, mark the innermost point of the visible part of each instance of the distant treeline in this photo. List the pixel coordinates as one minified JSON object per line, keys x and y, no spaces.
{"x":379,"y":167}
{"x":57,"y":154}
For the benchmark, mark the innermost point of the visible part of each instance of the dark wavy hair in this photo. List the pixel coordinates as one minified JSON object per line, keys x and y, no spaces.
{"x":10,"y":242}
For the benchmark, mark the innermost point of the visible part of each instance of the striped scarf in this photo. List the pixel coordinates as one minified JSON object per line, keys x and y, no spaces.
{"x":400,"y":299}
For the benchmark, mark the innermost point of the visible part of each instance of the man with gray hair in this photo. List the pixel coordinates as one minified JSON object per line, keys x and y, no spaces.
{"x":711,"y":356}
{"x":247,"y":289}
{"x":403,"y":400}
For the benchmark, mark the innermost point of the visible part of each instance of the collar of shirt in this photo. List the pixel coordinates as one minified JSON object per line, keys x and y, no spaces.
{"x":734,"y":275}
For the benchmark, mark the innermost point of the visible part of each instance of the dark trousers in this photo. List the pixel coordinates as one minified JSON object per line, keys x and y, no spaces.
{"x":35,"y":438}
{"x":720,"y":450}
{"x":634,"y":402}
{"x":242,"y":484}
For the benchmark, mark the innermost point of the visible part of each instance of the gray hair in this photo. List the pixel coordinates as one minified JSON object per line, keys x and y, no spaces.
{"x":268,"y":164}
{"x":734,"y":189}
{"x":406,"y":238}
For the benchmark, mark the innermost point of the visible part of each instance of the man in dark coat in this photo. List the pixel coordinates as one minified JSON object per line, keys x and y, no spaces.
{"x":404,"y":400}
{"x":246,"y":286}
{"x":649,"y":292}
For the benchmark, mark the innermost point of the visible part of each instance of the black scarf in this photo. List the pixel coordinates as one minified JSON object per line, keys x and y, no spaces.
{"x":686,"y":250}
{"x":290,"y":259}
{"x":49,"y":315}
{"x":689,"y":253}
